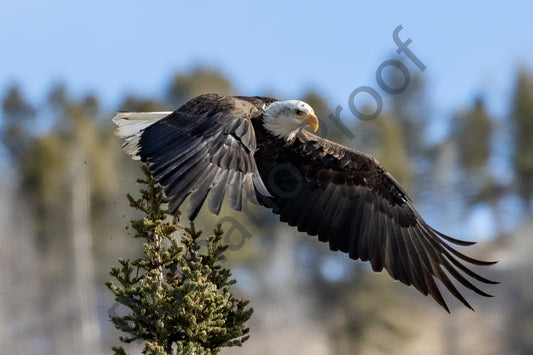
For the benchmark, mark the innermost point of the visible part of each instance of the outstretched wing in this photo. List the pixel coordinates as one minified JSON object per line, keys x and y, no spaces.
{"x":206,"y":145}
{"x":348,"y":200}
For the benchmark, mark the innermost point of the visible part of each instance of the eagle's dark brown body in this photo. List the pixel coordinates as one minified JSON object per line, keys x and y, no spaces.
{"x":218,"y":146}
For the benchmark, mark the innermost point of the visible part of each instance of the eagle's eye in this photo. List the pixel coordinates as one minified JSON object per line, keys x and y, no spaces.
{"x":299,"y":112}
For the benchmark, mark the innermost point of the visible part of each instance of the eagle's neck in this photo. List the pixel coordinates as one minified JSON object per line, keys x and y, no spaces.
{"x":280,"y":130}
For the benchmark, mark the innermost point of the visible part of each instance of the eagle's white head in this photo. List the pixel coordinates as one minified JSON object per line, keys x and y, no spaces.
{"x":285,"y":119}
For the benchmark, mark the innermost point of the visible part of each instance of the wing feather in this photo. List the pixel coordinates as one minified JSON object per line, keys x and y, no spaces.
{"x":199,"y":149}
{"x":218,"y":190}
{"x":341,"y":213}
{"x":347,"y":199}
{"x":248,"y":188}
{"x":235,"y":190}
{"x":199,"y":193}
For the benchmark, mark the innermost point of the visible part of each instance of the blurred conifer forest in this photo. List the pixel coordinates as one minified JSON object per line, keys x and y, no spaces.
{"x":63,"y":213}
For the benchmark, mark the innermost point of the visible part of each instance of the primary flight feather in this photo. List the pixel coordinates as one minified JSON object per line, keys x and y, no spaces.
{"x":255,"y":148}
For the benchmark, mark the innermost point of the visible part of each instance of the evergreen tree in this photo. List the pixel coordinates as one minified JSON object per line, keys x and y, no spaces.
{"x":18,"y":114}
{"x":410,"y":114}
{"x":178,"y":297}
{"x":199,"y":81}
{"x":473,"y":135}
{"x":522,"y":124}
{"x":410,"y":109}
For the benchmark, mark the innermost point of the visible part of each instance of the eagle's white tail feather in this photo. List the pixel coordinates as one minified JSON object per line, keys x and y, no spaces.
{"x":130,"y":126}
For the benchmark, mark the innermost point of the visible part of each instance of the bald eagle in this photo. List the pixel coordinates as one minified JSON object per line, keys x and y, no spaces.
{"x":255,"y":148}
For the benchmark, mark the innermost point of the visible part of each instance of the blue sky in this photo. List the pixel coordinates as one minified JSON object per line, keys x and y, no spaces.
{"x":113,"y":48}
{"x":118,"y":47}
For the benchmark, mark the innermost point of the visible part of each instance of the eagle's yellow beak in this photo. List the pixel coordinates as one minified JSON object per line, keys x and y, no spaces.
{"x":312,"y":121}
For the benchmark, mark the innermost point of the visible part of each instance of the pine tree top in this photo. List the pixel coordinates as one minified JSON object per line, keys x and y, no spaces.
{"x":177,"y":293}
